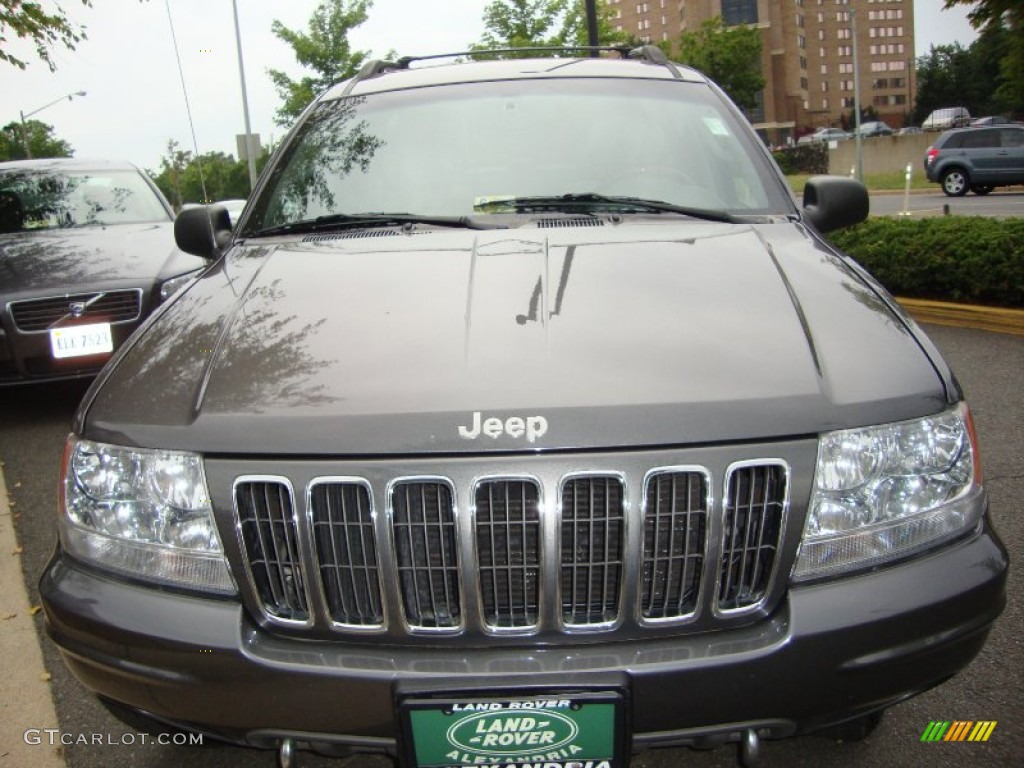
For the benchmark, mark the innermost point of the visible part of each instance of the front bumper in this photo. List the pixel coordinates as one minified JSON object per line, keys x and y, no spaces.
{"x":831,"y":652}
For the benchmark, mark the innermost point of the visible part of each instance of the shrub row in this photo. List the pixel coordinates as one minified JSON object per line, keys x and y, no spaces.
{"x":803,"y":158}
{"x":973,"y":260}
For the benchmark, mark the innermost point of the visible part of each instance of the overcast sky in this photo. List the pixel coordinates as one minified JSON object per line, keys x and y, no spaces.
{"x":134,"y":102}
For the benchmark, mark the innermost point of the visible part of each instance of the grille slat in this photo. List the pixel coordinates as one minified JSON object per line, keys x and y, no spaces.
{"x":342,"y":519}
{"x":754,"y":508}
{"x":268,"y":535}
{"x":592,"y":510}
{"x":121,"y":306}
{"x":508,"y":552}
{"x":675,"y":539}
{"x":426,"y":554}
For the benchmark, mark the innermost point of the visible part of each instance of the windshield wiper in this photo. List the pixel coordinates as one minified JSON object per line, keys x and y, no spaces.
{"x":337,"y":221}
{"x":592,"y":200}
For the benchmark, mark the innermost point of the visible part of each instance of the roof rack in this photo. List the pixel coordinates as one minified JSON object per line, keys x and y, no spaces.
{"x":652,"y":54}
{"x":649,"y":53}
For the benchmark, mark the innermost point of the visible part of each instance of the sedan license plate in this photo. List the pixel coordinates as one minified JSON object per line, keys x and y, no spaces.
{"x":81,"y":340}
{"x":577,"y":730}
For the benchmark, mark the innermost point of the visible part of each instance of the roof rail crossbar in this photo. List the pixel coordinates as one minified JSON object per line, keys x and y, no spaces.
{"x":369,"y":69}
{"x":622,"y":50}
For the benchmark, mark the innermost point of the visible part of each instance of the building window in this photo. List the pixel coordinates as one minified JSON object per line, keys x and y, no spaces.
{"x":824,"y":69}
{"x":803,"y":63}
{"x":824,"y":86}
{"x":824,"y":103}
{"x":847,"y":101}
{"x":739,"y":12}
{"x":801,"y":42}
{"x":803,"y":83}
{"x":897,"y":66}
{"x":846,"y":85}
{"x":843,"y":34}
{"x":846,"y":69}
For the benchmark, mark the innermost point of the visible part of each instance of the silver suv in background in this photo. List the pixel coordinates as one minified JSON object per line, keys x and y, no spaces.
{"x":976,"y":159}
{"x":946,"y":118}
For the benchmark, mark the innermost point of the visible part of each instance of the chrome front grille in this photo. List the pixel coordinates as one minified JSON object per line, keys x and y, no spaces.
{"x":588,"y":552}
{"x":32,"y":315}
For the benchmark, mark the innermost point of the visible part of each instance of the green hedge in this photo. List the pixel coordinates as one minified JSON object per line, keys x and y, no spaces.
{"x":803,"y":158}
{"x":968,"y":259}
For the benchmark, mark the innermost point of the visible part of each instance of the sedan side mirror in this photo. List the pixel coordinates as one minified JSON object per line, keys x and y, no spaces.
{"x":834,"y":202}
{"x":203,"y":231}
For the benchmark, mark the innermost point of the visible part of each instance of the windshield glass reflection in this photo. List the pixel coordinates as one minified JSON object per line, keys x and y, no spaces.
{"x":31,"y":200}
{"x":458,"y":150}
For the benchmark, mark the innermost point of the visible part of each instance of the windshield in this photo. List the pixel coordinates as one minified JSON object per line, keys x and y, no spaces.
{"x":460,"y":150}
{"x":32,"y":200}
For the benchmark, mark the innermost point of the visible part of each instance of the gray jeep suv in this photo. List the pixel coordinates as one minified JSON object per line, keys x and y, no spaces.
{"x":523,"y":418}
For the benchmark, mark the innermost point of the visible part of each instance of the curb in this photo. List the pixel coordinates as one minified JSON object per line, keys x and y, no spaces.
{"x":997,"y":319}
{"x":26,"y":701}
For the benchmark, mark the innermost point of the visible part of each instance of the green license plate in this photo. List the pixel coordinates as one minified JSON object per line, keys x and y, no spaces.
{"x":577,"y":730}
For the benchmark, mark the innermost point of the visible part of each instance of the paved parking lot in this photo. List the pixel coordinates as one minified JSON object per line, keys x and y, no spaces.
{"x":33,"y":423}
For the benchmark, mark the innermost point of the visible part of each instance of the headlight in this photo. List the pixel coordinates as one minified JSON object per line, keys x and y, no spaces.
{"x":881,"y":493}
{"x":142,"y":512}
{"x":170,"y":287}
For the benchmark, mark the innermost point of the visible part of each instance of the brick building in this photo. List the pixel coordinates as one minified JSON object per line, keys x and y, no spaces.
{"x":807,"y":54}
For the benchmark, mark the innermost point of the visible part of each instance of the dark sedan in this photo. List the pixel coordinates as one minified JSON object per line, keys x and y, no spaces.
{"x":86,"y":253}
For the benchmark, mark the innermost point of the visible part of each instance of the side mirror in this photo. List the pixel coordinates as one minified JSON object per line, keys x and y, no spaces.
{"x":203,"y":231}
{"x":834,"y":202}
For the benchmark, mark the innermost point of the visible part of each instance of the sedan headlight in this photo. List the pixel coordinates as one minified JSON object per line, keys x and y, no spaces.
{"x":882,"y":493}
{"x":142,"y":512}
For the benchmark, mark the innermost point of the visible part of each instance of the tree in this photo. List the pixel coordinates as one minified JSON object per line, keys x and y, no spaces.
{"x":324,"y":49}
{"x":989,"y":16}
{"x":951,"y":75}
{"x":525,"y":23}
{"x":731,"y":56}
{"x":41,"y":141}
{"x":30,"y":21}
{"x":205,"y":178}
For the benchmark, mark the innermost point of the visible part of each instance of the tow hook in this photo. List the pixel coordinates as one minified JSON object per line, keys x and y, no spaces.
{"x":750,"y":748}
{"x":286,"y":754}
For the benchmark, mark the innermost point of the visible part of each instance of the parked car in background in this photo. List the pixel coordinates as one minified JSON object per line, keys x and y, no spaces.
{"x":874,"y":128}
{"x":976,"y":159}
{"x":824,"y":135}
{"x":524,"y":418}
{"x":234,"y":209}
{"x":979,"y":122}
{"x":86,"y":253}
{"x":946,"y":118}
{"x":908,"y":130}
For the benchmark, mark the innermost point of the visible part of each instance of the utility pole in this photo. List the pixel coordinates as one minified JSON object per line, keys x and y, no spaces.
{"x":856,"y":98}
{"x":592,"y":37}
{"x":245,"y":102}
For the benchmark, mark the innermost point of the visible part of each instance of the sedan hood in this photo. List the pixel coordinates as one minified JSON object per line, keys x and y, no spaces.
{"x":628,"y":335}
{"x":56,"y":260}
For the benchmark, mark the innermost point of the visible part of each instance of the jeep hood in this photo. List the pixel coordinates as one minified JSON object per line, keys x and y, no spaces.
{"x":626,"y":335}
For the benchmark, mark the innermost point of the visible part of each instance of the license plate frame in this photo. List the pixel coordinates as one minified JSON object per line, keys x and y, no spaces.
{"x":575,"y":729}
{"x":89,"y":340}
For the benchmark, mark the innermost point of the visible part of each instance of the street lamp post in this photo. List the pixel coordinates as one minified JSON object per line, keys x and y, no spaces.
{"x":856,"y":97}
{"x":245,"y":103}
{"x":24,"y":126}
